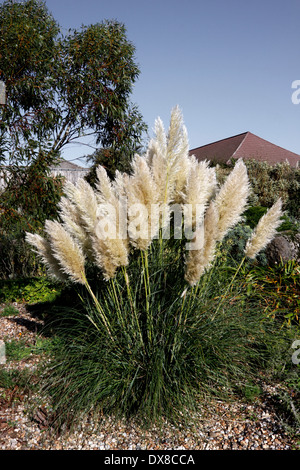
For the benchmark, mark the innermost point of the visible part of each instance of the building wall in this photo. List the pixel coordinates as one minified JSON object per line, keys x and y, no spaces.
{"x":70,"y":174}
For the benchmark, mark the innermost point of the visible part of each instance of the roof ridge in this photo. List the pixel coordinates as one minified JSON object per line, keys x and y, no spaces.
{"x":220,"y":140}
{"x":241,"y":143}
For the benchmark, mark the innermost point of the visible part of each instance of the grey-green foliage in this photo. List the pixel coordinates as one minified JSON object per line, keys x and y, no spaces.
{"x":269,"y":182}
{"x":235,"y":242}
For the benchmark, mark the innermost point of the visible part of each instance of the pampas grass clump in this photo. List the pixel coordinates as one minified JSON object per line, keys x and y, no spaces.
{"x":143,"y":346}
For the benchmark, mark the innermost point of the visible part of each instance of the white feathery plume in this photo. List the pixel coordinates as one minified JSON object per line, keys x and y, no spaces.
{"x":199,"y":259}
{"x":72,"y":222}
{"x":120,"y":185}
{"x":177,"y":155}
{"x":265,"y":230}
{"x":43,"y":249}
{"x":66,"y":251}
{"x":200,"y":187}
{"x":71,"y":192}
{"x":111,"y":246}
{"x":110,"y":253}
{"x":157,"y":145}
{"x":167,"y":156}
{"x":142,"y":198}
{"x":78,"y":211}
{"x":83,"y":197}
{"x":105,"y":189}
{"x":184,"y":162}
{"x":231,"y":199}
{"x":113,"y":195}
{"x":87,"y":204}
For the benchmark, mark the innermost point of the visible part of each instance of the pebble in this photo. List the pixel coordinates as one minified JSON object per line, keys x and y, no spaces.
{"x":220,"y":426}
{"x":124,"y":436}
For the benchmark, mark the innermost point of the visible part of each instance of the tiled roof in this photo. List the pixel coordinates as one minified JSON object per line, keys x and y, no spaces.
{"x":69,"y":170}
{"x":246,"y":146}
{"x":67,"y":165}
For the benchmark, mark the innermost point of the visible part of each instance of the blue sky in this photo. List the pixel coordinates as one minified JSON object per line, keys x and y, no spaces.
{"x":228,"y":64}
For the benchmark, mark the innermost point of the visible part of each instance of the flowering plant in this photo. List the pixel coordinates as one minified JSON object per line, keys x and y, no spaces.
{"x":153,"y":234}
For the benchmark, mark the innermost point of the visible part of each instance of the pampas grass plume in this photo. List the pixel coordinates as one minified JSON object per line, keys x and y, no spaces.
{"x":70,"y":216}
{"x":167,"y":156}
{"x":67,"y":252}
{"x":264,"y":231}
{"x":111,"y":251}
{"x":43,"y":249}
{"x":231,"y":200}
{"x":200,"y":259}
{"x":200,"y":186}
{"x":141,"y":189}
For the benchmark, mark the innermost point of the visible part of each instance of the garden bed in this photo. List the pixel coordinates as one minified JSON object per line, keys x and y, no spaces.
{"x":25,"y":420}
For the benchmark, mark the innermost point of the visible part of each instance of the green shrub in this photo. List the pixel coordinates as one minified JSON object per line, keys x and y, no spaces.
{"x":16,"y":260}
{"x":28,"y":199}
{"x":277,"y":289}
{"x":233,"y":246}
{"x":251,"y":391}
{"x":269,"y":182}
{"x":17,"y":350}
{"x":253,"y":214}
{"x":29,"y":290}
{"x":289,"y":224}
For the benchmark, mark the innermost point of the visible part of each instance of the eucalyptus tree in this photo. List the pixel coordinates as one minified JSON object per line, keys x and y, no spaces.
{"x":61,"y":87}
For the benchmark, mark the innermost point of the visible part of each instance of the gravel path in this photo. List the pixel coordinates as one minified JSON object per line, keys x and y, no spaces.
{"x":236,"y":426}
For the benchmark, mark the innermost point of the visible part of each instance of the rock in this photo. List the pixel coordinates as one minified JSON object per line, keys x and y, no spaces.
{"x":283,"y":247}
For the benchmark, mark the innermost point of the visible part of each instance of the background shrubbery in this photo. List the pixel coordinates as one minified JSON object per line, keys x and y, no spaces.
{"x":30,"y":197}
{"x":269,"y":182}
